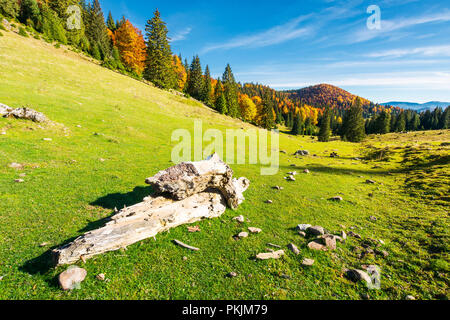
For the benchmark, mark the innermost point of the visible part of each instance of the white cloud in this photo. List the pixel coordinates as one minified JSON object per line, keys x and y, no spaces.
{"x":181,"y":35}
{"x":390,"y":27}
{"x":275,"y":35}
{"x":423,"y":51}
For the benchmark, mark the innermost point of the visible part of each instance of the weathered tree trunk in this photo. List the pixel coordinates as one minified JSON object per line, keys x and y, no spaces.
{"x":188,"y":178}
{"x":157,"y":214}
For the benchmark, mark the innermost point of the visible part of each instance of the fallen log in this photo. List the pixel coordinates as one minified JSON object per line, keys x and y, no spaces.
{"x":148,"y":218}
{"x":188,"y":178}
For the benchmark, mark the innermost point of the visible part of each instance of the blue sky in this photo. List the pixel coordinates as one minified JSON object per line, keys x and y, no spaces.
{"x":293,"y":44}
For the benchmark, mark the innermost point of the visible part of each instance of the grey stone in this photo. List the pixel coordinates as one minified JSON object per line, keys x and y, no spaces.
{"x":316,"y":231}
{"x":72,"y":277}
{"x":294,"y":249}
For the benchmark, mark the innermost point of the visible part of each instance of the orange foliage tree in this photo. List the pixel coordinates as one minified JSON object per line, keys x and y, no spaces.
{"x":130,"y":42}
{"x":180,"y":72}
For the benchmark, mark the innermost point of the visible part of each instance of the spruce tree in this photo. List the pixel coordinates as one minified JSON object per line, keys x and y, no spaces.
{"x":297,"y":126}
{"x":207,"y":88}
{"x":267,"y":121}
{"x":400,"y":125}
{"x":195,"y":81}
{"x":30,"y":13}
{"x":9,"y":8}
{"x":158,"y":65}
{"x":110,"y":23}
{"x":354,"y":127}
{"x":96,"y":30}
{"x":325,"y":128}
{"x":383,"y":123}
{"x":231,"y":92}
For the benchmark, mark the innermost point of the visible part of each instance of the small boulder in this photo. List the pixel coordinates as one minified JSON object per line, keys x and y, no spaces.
{"x":306,"y":171}
{"x":239,"y":219}
{"x":316,"y":231}
{"x":302,"y":233}
{"x":232,"y":275}
{"x":71,"y":278}
{"x":294,"y":249}
{"x":19,"y":181}
{"x":337,"y":199}
{"x":308,"y":262}
{"x":101,"y":277}
{"x":254,"y":230}
{"x":370,"y":181}
{"x":269,"y":201}
{"x":303,"y":227}
{"x":270,"y":255}
{"x":356,"y":275}
{"x":242,"y":235}
{"x":317,"y":245}
{"x":410,"y":297}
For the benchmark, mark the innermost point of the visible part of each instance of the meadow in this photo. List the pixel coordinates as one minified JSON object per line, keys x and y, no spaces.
{"x":110,"y":132}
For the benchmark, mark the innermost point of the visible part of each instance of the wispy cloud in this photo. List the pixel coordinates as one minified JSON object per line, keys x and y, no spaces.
{"x":181,"y":35}
{"x":423,"y":51}
{"x":276,"y":35}
{"x":390,"y":27}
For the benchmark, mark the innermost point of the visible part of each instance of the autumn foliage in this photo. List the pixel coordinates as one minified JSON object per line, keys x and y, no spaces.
{"x":130,"y":42}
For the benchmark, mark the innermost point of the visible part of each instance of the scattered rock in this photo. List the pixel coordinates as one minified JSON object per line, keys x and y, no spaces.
{"x":44,"y":244}
{"x":185,"y":258}
{"x":285,"y":276}
{"x":372,"y":218}
{"x":278,"y":188}
{"x":302,"y":153}
{"x":290,"y":178}
{"x":101,"y":160}
{"x":381,"y":242}
{"x":306,"y":171}
{"x":22,"y":175}
{"x":3,"y":133}
{"x":71,"y":278}
{"x":270,"y":255}
{"x":356,"y":275}
{"x":337,"y":199}
{"x":317,"y":245}
{"x":101,"y":277}
{"x":370,"y":182}
{"x":193,"y":229}
{"x":303,"y":227}
{"x":274,"y":245}
{"x":254,"y":230}
{"x":293,"y":173}
{"x":239,"y":219}
{"x":19,"y":181}
{"x":47,"y":139}
{"x":410,"y":297}
{"x":294,"y":249}
{"x":302,"y":233}
{"x":15,"y":165}
{"x":334,"y":155}
{"x":22,"y":113}
{"x":308,"y":262}
{"x":242,"y":235}
{"x":269,"y":201}
{"x":354,"y":235}
{"x":329,"y":241}
{"x":316,"y":231}
{"x":232,"y":275}
{"x":343,"y":235}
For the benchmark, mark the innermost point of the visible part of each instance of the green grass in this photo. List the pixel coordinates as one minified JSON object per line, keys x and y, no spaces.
{"x":68,"y":191}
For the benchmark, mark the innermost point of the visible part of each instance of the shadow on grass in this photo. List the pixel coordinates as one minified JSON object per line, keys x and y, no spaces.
{"x":45,"y":262}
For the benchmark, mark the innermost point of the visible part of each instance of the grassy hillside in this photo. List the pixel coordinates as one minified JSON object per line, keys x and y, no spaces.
{"x":99,"y":114}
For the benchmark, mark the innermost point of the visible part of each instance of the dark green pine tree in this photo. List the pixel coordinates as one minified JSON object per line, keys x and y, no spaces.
{"x":207,"y":88}
{"x":400,"y":124}
{"x":231,"y":92}
{"x":325,"y":128}
{"x":221,"y":102}
{"x":445,"y":119}
{"x":354,"y":127}
{"x":29,"y":13}
{"x":297,"y":126}
{"x":96,"y":30}
{"x":195,"y":81}
{"x":267,"y":121}
{"x":158,"y":65}
{"x":383,"y":123}
{"x":9,"y":8}
{"x":110,"y":23}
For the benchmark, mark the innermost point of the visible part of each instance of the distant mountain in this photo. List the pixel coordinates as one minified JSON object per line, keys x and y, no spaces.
{"x":418,"y":106}
{"x":329,"y":95}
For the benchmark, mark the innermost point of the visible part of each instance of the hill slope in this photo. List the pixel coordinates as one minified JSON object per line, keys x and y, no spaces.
{"x":326,"y":94}
{"x":102,"y":114}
